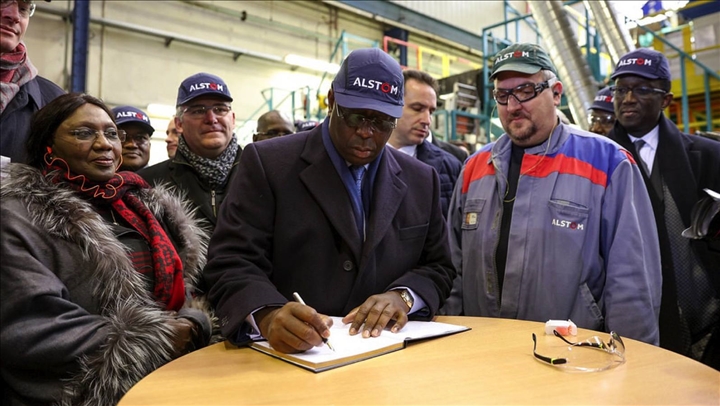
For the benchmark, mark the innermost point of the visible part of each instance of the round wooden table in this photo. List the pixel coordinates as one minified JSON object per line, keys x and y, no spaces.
{"x":490,"y":364}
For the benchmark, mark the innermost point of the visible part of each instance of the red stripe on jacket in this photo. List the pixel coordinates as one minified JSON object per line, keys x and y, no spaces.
{"x":539,"y":166}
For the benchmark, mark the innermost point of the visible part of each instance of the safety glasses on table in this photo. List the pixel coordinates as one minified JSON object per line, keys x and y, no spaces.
{"x":592,"y":354}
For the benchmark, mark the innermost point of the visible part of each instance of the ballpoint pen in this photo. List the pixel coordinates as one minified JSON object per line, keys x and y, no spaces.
{"x":302,"y":302}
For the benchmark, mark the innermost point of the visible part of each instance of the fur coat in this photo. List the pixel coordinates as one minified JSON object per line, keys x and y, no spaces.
{"x":77,"y":324}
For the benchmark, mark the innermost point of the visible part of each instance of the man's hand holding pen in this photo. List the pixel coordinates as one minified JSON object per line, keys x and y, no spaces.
{"x":294,"y":327}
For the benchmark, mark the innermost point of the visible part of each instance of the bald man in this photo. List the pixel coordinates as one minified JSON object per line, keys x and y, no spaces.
{"x":273,"y":124}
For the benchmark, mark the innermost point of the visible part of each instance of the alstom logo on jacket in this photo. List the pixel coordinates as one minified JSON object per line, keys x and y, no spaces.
{"x":375,"y":84}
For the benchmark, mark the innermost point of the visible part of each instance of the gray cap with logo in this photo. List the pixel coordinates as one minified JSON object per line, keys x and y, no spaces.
{"x":524,"y":58}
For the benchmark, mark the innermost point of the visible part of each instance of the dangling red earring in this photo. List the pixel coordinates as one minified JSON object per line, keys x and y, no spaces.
{"x":48,"y":155}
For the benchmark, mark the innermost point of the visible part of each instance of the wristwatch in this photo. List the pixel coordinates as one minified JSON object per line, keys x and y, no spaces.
{"x":407,"y":298}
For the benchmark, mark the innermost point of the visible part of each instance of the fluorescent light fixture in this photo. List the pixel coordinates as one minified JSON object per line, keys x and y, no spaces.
{"x":311,"y":63}
{"x":160,"y":110}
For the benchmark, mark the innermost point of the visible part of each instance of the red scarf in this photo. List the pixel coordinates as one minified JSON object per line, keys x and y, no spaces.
{"x":15,"y":71}
{"x":167,"y":266}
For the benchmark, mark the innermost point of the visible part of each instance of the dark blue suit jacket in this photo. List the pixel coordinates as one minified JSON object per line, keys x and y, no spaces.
{"x":447,"y":167}
{"x":287,"y":225}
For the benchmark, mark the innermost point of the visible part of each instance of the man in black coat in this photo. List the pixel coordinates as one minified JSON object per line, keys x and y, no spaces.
{"x":676,"y":167}
{"x":22,"y":91}
{"x":410,"y":135}
{"x":355,"y":228}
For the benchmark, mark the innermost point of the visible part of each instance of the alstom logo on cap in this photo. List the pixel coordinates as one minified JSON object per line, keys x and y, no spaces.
{"x":131,"y":114}
{"x":635,"y":61}
{"x":376,"y":84}
{"x":601,"y":98}
{"x":207,"y":85}
{"x":516,"y":54}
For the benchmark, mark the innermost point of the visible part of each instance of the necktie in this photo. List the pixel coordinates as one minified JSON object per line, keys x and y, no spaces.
{"x":358,"y":172}
{"x":639,"y":144}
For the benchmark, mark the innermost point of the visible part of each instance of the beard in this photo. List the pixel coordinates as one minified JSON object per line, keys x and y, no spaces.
{"x":520,"y":131}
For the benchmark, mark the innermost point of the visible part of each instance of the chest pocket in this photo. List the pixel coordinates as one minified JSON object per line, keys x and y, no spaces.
{"x":471,"y":213}
{"x":567,"y":231}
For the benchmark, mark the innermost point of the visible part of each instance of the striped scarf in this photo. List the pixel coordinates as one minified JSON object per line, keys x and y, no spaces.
{"x":214,"y":172}
{"x":15,"y":71}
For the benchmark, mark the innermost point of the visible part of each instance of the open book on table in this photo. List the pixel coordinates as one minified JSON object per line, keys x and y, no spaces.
{"x":350,"y":349}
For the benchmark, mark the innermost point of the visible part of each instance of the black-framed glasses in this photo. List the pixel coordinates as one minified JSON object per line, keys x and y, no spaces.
{"x":26,"y":8}
{"x":199,"y":110}
{"x":138,"y":139}
{"x":521,"y":93}
{"x":355,"y":120}
{"x":602,"y":119}
{"x":592,"y":354}
{"x":639,"y":91}
{"x":89,"y":135}
{"x":274,"y":133}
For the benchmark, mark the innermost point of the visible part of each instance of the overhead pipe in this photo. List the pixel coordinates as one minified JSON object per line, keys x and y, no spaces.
{"x":81,"y":31}
{"x":612,"y":30}
{"x":562,"y":46}
{"x":169,"y":36}
{"x":264,"y":22}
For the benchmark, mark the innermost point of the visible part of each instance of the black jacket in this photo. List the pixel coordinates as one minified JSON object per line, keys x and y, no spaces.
{"x":453,"y":150}
{"x":15,"y":119}
{"x":688,"y":164}
{"x":447,"y":167}
{"x":179,"y":173}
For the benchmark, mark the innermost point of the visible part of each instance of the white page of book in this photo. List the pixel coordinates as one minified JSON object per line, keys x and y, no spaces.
{"x":346,"y":345}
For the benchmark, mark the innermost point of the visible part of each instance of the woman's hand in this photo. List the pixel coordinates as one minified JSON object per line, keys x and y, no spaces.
{"x":184,"y":335}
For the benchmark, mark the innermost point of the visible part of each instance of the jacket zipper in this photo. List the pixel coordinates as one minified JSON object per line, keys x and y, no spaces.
{"x":212,"y":202}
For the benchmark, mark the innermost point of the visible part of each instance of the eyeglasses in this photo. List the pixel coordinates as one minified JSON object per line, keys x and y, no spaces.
{"x":355,"y":120}
{"x":199,"y":111}
{"x":602,"y":119}
{"x":139,"y":139}
{"x":521,"y":93}
{"x":640,"y":91}
{"x":274,"y":133}
{"x":26,"y":8}
{"x":86,"y":134}
{"x":602,"y":355}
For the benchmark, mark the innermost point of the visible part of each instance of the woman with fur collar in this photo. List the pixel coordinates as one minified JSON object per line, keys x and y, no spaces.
{"x":97,"y":269}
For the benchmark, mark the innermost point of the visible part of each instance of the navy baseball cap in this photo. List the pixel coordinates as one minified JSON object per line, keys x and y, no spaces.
{"x":129,"y":114}
{"x":370,"y":79}
{"x":306,"y":125}
{"x":202,"y":84}
{"x":603,"y":100}
{"x":524,"y":58}
{"x":643,"y":62}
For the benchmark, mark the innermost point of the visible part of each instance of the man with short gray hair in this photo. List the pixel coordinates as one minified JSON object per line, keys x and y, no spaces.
{"x":207,"y":152}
